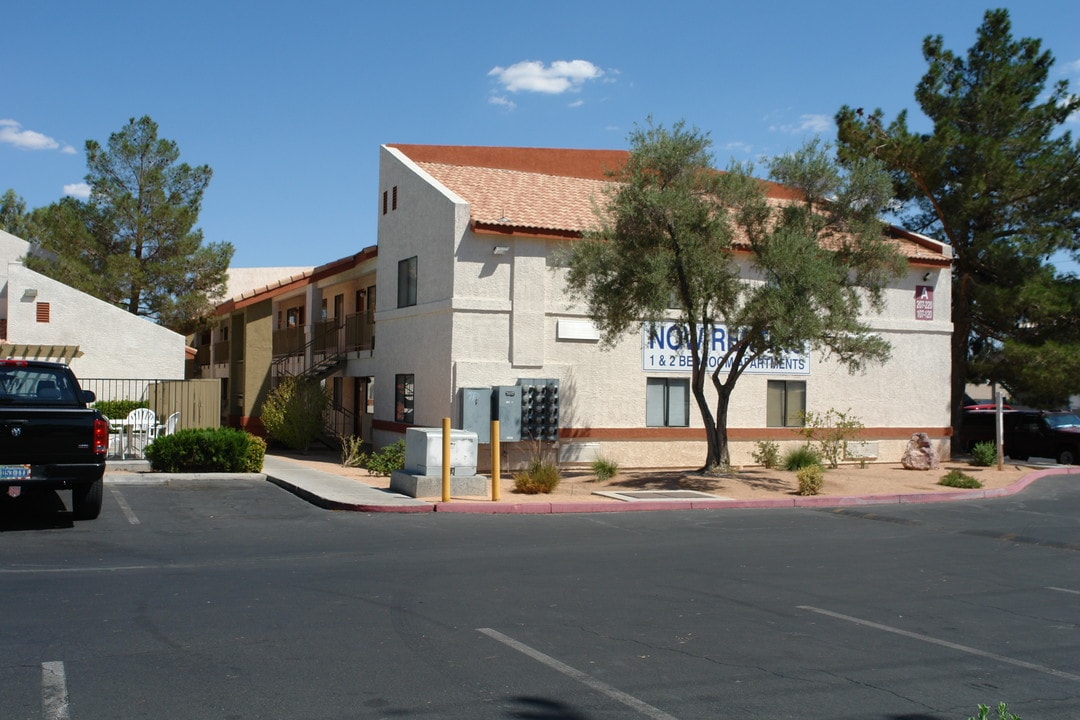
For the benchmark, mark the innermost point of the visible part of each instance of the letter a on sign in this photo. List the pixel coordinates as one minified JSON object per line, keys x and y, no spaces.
{"x":924,"y":302}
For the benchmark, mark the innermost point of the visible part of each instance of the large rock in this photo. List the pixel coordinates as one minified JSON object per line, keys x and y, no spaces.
{"x":920,"y":454}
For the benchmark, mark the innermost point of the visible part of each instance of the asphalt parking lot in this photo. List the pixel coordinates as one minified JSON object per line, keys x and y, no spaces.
{"x":240,"y":600}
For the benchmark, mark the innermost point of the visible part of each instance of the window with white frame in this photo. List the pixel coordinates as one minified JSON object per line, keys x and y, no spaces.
{"x":667,"y":402}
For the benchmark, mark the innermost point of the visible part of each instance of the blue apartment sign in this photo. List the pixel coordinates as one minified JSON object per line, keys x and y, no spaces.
{"x":666,"y":348}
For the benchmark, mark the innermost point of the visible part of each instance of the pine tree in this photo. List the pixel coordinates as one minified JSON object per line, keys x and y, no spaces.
{"x":134,"y":242}
{"x":998,"y":179}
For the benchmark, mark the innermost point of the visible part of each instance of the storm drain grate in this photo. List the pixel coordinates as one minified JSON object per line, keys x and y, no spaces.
{"x":639,"y":495}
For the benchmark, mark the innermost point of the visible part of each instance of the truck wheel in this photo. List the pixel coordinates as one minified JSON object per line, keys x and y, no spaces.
{"x":1066,"y":457}
{"x":86,"y":500}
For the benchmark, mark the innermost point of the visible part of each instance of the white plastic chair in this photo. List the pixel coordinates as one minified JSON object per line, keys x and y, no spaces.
{"x":140,"y":425}
{"x":170,"y":425}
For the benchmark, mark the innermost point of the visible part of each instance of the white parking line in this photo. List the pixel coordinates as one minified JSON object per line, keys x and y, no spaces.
{"x":1065,"y":590}
{"x":945,"y":643}
{"x":124,"y":507}
{"x":54,"y":696}
{"x":613,"y":693}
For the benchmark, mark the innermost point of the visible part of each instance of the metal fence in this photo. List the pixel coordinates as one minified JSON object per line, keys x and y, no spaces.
{"x":197,"y":401}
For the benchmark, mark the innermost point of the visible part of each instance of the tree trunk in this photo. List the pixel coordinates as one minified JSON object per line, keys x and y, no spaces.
{"x":723,"y":400}
{"x":712,"y":435}
{"x":961,"y":338}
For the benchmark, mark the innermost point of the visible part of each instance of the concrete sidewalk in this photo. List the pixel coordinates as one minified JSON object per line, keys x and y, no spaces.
{"x":335,"y":492}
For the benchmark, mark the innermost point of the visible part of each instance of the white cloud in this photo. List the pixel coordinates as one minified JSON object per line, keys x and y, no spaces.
{"x":77,"y":190}
{"x":12,"y":133}
{"x":533,"y":76}
{"x":577,"y":103}
{"x":502,"y":101}
{"x":68,"y":150}
{"x":815,"y":124}
{"x":738,"y":146}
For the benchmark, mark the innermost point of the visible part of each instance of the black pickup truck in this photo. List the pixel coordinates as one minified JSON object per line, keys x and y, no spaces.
{"x":49,"y":438}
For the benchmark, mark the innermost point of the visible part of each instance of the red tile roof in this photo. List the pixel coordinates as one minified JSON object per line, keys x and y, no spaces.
{"x":553,"y":192}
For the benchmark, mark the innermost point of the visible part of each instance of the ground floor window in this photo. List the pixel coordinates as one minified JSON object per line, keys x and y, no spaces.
{"x":667,"y":402}
{"x":785,"y":403}
{"x":403,"y":398}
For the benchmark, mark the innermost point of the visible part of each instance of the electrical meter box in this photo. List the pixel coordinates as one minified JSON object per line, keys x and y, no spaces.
{"x":476,"y":412}
{"x":506,"y":408}
{"x":423,"y":451}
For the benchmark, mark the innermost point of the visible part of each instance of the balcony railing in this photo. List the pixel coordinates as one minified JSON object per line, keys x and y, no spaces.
{"x":221,"y":352}
{"x":288,"y":341}
{"x":329,"y":337}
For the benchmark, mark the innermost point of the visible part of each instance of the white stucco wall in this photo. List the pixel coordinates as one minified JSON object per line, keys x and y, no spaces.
{"x":113,"y":343}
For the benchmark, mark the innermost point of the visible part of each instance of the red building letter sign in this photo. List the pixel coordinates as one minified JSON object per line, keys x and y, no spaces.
{"x":924,"y":302}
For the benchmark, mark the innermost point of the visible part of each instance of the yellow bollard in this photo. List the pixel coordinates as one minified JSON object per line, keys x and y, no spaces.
{"x":446,"y":459}
{"x":495,"y":461}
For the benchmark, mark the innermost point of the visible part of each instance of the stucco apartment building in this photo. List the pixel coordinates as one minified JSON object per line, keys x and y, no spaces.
{"x":471,"y":301}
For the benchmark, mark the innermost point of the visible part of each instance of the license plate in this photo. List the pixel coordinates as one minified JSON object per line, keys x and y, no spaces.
{"x":14,"y":472}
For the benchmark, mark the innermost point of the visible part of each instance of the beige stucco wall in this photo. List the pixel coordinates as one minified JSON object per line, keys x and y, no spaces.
{"x":485,"y":319}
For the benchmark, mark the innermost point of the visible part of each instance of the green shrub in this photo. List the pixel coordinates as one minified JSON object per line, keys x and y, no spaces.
{"x":604,"y":469}
{"x":800,"y":457}
{"x":811,"y":479}
{"x":293,"y":412}
{"x":118,"y":409}
{"x":830,"y":431}
{"x":957,"y":479}
{"x":767,"y":454}
{"x":541,"y":476}
{"x":983,"y":454}
{"x":207,"y":450}
{"x":1002,"y":713}
{"x":385,"y":461}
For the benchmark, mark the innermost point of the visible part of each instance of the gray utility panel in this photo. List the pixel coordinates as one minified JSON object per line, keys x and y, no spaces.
{"x":506,"y":408}
{"x":476,"y":412}
{"x":479,"y":406}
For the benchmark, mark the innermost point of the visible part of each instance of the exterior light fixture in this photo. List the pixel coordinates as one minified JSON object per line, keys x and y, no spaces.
{"x":500,"y":249}
{"x":29,"y":293}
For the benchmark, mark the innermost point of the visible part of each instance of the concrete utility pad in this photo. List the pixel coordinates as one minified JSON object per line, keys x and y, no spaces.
{"x":639,"y":495}
{"x":431,"y":485}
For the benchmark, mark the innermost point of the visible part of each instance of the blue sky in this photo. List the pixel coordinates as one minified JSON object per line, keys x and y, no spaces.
{"x":289,"y":102}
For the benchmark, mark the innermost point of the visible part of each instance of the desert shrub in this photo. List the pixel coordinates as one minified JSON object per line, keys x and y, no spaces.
{"x":800,"y":457}
{"x":118,"y":409}
{"x":830,"y":431}
{"x":604,"y":469}
{"x":293,"y":412}
{"x":1002,"y":713}
{"x":957,"y":479}
{"x":983,"y":454}
{"x":540,"y":476}
{"x":385,"y":461}
{"x":811,"y":478}
{"x":352,"y":454}
{"x":767,"y":454}
{"x":207,"y":450}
